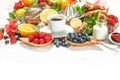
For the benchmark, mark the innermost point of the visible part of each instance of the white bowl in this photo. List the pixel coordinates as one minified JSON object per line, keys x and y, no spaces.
{"x":111,"y":40}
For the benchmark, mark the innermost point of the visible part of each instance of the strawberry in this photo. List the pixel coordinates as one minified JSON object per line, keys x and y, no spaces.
{"x":13,"y":39}
{"x":41,"y":4}
{"x":116,"y":37}
{"x":47,"y":38}
{"x":50,"y":3}
{"x":2,"y":30}
{"x":41,"y":41}
{"x":41,"y":35}
{"x":36,"y":41}
{"x":30,"y":38}
{"x":36,"y":35}
{"x":1,"y":35}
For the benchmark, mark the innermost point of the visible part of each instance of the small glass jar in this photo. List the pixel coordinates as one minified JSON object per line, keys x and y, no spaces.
{"x":113,"y":28}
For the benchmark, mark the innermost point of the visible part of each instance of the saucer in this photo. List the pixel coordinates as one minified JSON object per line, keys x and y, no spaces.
{"x":63,"y":33}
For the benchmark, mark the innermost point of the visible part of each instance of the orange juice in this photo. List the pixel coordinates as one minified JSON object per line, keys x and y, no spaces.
{"x":63,"y":3}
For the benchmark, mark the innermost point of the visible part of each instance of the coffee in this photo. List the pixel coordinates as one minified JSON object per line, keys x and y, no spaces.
{"x":56,"y":19}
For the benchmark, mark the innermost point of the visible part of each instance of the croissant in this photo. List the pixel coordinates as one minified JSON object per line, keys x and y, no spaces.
{"x":90,"y":6}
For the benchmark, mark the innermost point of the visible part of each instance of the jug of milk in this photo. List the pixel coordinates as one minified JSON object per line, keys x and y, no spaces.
{"x":100,"y":32}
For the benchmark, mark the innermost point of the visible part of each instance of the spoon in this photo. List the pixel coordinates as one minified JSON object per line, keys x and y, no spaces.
{"x":109,"y":45}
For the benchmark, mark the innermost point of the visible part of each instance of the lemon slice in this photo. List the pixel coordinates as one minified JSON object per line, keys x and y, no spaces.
{"x":26,"y":29}
{"x":75,"y":22}
{"x":45,"y":13}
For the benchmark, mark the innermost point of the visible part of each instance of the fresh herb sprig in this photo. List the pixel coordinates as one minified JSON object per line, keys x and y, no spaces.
{"x":91,"y":20}
{"x":56,"y":7}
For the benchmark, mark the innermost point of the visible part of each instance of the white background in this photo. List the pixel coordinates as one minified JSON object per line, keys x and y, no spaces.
{"x":22,"y":62}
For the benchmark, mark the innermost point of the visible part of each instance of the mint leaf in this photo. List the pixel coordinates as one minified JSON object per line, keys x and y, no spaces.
{"x":12,"y":14}
{"x":35,"y":3}
{"x":88,"y":31}
{"x":36,"y":28}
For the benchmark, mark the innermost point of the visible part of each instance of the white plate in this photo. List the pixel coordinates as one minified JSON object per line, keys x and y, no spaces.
{"x":67,"y":30}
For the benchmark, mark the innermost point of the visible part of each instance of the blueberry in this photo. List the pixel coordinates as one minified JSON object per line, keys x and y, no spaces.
{"x":60,"y":42}
{"x":69,"y":34}
{"x":68,"y":37}
{"x":5,"y":37}
{"x":54,"y":42}
{"x":57,"y":44}
{"x":88,"y":38}
{"x":83,"y":34}
{"x":79,"y":34}
{"x":67,"y":45}
{"x":60,"y":39}
{"x":63,"y":41}
{"x":75,"y":41}
{"x":72,"y":36}
{"x":17,"y":33}
{"x":7,"y":42}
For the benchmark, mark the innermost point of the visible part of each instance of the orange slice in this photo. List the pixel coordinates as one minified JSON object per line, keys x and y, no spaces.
{"x":45,"y":13}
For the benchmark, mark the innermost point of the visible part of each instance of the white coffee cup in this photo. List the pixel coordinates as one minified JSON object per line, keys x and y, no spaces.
{"x":56,"y":22}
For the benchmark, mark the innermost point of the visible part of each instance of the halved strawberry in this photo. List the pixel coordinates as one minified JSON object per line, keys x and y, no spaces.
{"x":1,"y":35}
{"x":116,"y":37}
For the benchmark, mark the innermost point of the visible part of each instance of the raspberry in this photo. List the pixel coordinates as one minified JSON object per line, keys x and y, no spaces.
{"x":41,"y":41}
{"x":30,"y":38}
{"x":111,"y":16}
{"x":41,"y":35}
{"x":13,"y":39}
{"x":115,"y":19}
{"x":11,"y":34}
{"x":50,"y":3}
{"x":36,"y":35}
{"x":47,"y":38}
{"x":41,"y":4}
{"x":40,"y":1}
{"x":36,"y":41}
{"x":46,"y":0}
{"x":111,"y":21}
{"x":48,"y":34}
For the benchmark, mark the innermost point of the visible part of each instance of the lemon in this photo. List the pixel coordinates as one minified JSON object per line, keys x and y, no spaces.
{"x":26,"y":29}
{"x":75,"y":22}
{"x":20,"y":12}
{"x":45,"y":13}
